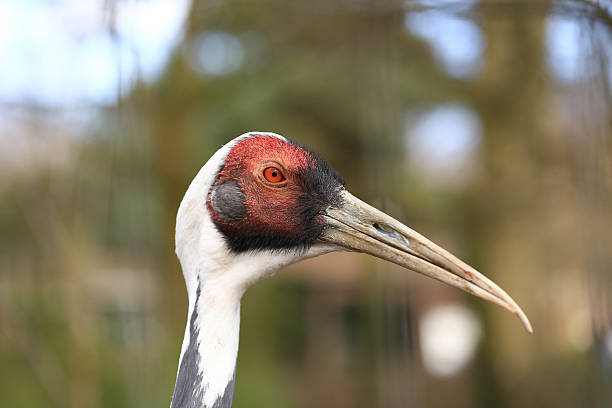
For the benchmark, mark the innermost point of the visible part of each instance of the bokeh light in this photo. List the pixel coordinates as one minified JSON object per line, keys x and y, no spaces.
{"x":457,"y":43}
{"x":216,"y":53}
{"x":448,"y":336}
{"x":442,"y":143}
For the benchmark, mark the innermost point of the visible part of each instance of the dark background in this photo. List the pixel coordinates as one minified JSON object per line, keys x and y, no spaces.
{"x":484,"y":125}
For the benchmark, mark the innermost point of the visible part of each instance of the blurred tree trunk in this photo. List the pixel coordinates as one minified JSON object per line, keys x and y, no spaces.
{"x":511,"y":75}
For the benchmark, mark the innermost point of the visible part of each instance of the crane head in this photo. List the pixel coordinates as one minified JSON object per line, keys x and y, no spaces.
{"x":262,"y":202}
{"x":272,"y":194}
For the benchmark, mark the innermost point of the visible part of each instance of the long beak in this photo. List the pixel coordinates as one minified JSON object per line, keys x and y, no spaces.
{"x":357,"y":226}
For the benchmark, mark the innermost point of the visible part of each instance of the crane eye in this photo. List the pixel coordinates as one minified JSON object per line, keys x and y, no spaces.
{"x":273,"y":175}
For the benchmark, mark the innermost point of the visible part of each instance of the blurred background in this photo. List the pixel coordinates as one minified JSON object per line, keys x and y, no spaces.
{"x":484,"y":125}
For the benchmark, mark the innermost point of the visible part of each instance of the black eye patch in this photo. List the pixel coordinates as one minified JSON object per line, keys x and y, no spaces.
{"x":228,"y":201}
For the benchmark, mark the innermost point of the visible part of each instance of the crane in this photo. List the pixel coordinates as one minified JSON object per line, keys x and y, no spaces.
{"x":262,"y":202}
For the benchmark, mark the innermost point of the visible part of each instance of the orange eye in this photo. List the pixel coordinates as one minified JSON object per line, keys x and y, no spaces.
{"x":273,"y":175}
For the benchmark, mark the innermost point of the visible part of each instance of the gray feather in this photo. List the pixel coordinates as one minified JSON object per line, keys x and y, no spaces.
{"x":228,"y":201}
{"x":188,"y":391}
{"x":225,"y":401}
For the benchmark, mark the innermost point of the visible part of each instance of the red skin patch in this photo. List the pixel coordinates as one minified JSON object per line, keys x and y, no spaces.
{"x":271,"y":208}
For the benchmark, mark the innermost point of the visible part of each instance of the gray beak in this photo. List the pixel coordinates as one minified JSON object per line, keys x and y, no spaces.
{"x":357,"y":226}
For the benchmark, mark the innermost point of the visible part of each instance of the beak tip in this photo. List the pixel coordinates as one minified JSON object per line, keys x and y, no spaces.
{"x":525,"y":321}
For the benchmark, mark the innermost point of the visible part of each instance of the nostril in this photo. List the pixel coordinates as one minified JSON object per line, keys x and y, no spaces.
{"x":385,"y":229}
{"x":390,"y":232}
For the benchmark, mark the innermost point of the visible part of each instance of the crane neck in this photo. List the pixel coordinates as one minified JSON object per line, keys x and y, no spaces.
{"x":207,"y":366}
